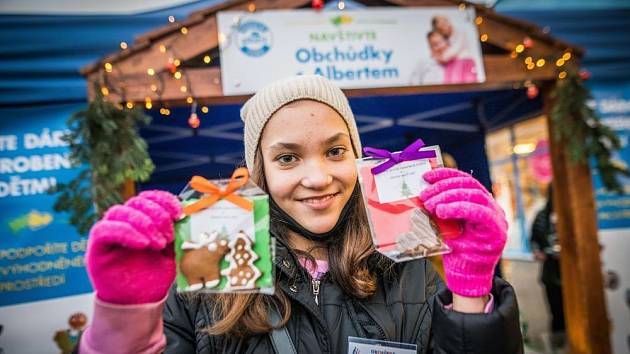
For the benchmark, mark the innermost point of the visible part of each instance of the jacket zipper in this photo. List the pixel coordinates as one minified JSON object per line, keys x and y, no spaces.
{"x":315,"y":283}
{"x":373,"y":318}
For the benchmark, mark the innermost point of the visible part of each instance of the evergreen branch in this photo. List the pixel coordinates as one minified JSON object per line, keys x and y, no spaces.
{"x":105,"y":140}
{"x":586,"y":137}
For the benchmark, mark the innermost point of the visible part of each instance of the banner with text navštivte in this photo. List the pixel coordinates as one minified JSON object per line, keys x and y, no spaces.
{"x":375,"y":47}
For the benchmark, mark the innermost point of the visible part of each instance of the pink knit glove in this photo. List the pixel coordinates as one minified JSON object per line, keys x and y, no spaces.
{"x":130,"y":256}
{"x":453,"y":194}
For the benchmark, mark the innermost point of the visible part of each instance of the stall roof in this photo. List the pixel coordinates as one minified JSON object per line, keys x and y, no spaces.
{"x":127,"y":68}
{"x":41,"y":52}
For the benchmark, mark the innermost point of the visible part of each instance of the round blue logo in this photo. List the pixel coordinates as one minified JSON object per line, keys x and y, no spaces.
{"x":253,"y":38}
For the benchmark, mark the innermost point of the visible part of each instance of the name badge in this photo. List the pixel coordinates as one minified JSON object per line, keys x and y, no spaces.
{"x":358,"y":345}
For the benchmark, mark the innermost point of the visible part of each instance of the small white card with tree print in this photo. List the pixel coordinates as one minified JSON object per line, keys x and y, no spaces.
{"x":402,"y":181}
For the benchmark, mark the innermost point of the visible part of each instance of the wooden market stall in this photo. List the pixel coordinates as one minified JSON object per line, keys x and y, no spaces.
{"x":179,"y":64}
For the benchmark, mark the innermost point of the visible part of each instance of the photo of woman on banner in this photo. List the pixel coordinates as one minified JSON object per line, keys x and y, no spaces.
{"x":334,"y":292}
{"x":451,"y":60}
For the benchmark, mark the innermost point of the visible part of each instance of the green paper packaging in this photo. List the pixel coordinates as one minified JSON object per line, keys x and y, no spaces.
{"x":224,"y":247}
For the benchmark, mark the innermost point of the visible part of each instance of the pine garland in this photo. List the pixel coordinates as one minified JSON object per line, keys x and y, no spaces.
{"x":581,"y":128}
{"x":105,"y":139}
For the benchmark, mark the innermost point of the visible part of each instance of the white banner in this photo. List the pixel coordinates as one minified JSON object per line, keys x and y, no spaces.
{"x":612,"y":103}
{"x":45,"y":327}
{"x":615,"y":245}
{"x":375,"y":47}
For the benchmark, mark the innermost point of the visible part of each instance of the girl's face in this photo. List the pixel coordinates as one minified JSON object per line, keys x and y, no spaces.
{"x":309,"y":163}
{"x":438,"y":44}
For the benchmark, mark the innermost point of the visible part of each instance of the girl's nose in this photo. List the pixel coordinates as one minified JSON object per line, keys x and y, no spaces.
{"x":316,"y":176}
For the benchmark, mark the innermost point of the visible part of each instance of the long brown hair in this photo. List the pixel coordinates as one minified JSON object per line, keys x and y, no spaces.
{"x":247,"y":314}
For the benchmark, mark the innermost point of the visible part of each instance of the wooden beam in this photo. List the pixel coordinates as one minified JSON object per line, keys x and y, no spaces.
{"x":580,"y":265}
{"x":199,"y":83}
{"x":415,"y":90}
{"x":508,"y":37}
{"x":183,"y":47}
{"x":205,"y":83}
{"x":128,"y":189}
{"x":501,"y":68}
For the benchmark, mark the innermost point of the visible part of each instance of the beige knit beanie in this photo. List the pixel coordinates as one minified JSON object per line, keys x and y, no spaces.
{"x":258,"y":109}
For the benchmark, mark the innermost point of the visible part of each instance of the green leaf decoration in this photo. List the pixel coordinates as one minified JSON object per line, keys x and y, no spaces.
{"x":105,"y":139}
{"x":585,"y":135}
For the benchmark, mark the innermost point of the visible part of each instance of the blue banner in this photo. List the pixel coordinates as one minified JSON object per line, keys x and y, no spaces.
{"x":41,"y":255}
{"x":612,"y":102}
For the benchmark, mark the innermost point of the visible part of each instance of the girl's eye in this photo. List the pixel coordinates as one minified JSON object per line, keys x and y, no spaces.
{"x":337,"y":152}
{"x":286,"y":159}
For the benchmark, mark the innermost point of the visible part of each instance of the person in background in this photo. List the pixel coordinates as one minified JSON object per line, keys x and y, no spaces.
{"x":545,"y":247}
{"x":448,"y":160}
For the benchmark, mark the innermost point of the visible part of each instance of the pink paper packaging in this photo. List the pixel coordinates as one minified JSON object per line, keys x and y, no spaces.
{"x":390,"y":185}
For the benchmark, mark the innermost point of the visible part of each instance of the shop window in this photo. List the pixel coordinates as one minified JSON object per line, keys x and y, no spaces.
{"x":520,"y":167}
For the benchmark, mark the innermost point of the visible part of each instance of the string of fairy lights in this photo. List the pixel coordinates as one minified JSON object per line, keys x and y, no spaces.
{"x":172,"y":65}
{"x":522,"y":51}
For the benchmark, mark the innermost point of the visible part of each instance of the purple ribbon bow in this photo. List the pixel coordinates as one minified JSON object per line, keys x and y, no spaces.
{"x":410,"y":153}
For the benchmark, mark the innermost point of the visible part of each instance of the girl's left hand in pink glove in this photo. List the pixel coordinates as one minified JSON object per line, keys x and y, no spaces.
{"x":454,"y":194}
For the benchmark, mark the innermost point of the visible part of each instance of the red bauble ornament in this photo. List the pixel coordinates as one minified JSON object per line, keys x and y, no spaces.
{"x":532,"y":92}
{"x":317,"y":4}
{"x":170,"y":66}
{"x":194,"y":121}
{"x":528,"y":42}
{"x":585,"y":74}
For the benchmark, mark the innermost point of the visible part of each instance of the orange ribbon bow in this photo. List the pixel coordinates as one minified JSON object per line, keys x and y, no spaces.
{"x":239,"y":178}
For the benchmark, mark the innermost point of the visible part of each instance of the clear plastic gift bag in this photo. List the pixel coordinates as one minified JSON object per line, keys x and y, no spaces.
{"x":223,"y":243}
{"x":391,"y":184}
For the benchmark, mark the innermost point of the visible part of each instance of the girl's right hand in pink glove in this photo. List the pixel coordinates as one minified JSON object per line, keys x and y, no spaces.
{"x":130,"y":256}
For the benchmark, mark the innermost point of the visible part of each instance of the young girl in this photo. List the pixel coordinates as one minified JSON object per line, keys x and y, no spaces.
{"x":301,"y":141}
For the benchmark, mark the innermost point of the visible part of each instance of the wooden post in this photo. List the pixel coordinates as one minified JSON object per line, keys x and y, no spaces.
{"x":128,"y":189}
{"x":582,"y":284}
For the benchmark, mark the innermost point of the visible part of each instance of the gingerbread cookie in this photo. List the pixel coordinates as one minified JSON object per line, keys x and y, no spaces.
{"x":241,"y":273}
{"x":200,"y":263}
{"x":423,"y":238}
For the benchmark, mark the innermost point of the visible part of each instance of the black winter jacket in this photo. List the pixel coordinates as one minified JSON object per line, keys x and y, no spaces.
{"x":408,"y":306}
